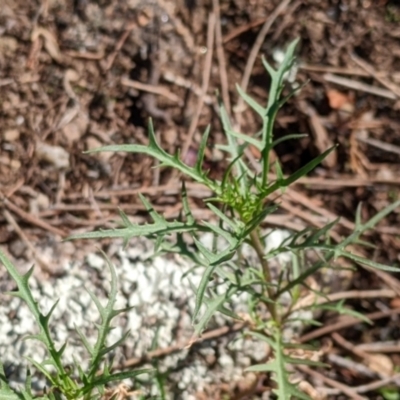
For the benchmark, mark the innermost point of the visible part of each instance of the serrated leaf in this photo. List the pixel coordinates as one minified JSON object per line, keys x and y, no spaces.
{"x":247,"y":139}
{"x":200,"y":157}
{"x":45,"y":319}
{"x":96,"y":301}
{"x":233,"y":148}
{"x":103,"y":380}
{"x":43,"y":370}
{"x":212,"y":306}
{"x":125,"y":219}
{"x":136,"y":230}
{"x":201,"y":289}
{"x":8,"y":394}
{"x":258,"y":218}
{"x":304,"y":361}
{"x":271,"y":71}
{"x":264,"y":338}
{"x":84,"y":340}
{"x":228,"y":221}
{"x":185,"y":205}
{"x":292,"y":136}
{"x":302,"y":277}
{"x":212,"y":258}
{"x":157,"y":218}
{"x":380,"y":215}
{"x":222,"y":233}
{"x":110,"y":348}
{"x":298,"y":174}
{"x":340,"y":309}
{"x":251,"y":102}
{"x":154,"y":150}
{"x":369,"y":263}
{"x":5,"y":391}
{"x":229,"y":313}
{"x":278,"y":169}
{"x":267,"y":367}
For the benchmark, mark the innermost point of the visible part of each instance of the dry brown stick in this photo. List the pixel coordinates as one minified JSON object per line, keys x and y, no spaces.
{"x":341,"y":341}
{"x":338,"y":70}
{"x":100,"y":207}
{"x":45,"y":266}
{"x":172,"y":77}
{"x":389,"y":147}
{"x":205,"y":83}
{"x":243,"y":28}
{"x":343,"y":388}
{"x":221,"y":58}
{"x":350,"y":294}
{"x":332,"y":70}
{"x":171,"y":212}
{"x":361,"y":294}
{"x":390,"y":346}
{"x":86,"y":55}
{"x":345,"y":323}
{"x":382,"y":370}
{"x":32,"y":219}
{"x":159,"y":353}
{"x":154,"y":89}
{"x":148,"y":99}
{"x":321,"y":138}
{"x":255,"y":50}
{"x":305,"y":201}
{"x":389,"y":279}
{"x":194,"y":190}
{"x":317,"y":183}
{"x":287,"y":20}
{"x":118,"y":46}
{"x":356,"y":85}
{"x":369,"y":387}
{"x":348,"y":363}
{"x":307,"y":216}
{"x":20,"y":182}
{"x":368,"y":68}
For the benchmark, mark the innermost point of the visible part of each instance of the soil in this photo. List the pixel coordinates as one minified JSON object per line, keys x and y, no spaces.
{"x":76,"y":75}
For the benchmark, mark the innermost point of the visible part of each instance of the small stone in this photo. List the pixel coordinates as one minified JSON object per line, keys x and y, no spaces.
{"x":170,"y":136}
{"x":75,"y":129}
{"x":95,"y":261}
{"x":54,"y":155}
{"x":8,"y":45}
{"x":11,"y":135}
{"x":17,"y":248}
{"x":225,"y":361}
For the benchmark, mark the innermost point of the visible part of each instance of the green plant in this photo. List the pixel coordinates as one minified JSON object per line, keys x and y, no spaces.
{"x":64,"y":382}
{"x":241,"y":203}
{"x":389,"y":393}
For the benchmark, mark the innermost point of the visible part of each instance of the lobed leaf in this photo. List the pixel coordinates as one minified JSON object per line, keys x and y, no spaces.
{"x":154,"y":150}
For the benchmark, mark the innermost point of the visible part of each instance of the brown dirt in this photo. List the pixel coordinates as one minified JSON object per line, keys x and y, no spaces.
{"x":71,"y":79}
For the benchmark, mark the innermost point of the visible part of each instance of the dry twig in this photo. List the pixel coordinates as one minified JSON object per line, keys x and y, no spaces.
{"x":205,"y":83}
{"x":355,"y":85}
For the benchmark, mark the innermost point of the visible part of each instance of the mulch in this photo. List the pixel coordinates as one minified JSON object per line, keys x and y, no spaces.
{"x":75,"y":75}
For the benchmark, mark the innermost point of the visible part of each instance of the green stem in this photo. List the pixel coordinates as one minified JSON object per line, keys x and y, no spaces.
{"x":258,"y":247}
{"x":265,"y":152}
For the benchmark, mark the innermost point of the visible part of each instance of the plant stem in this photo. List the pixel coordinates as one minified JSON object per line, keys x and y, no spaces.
{"x":258,"y":247}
